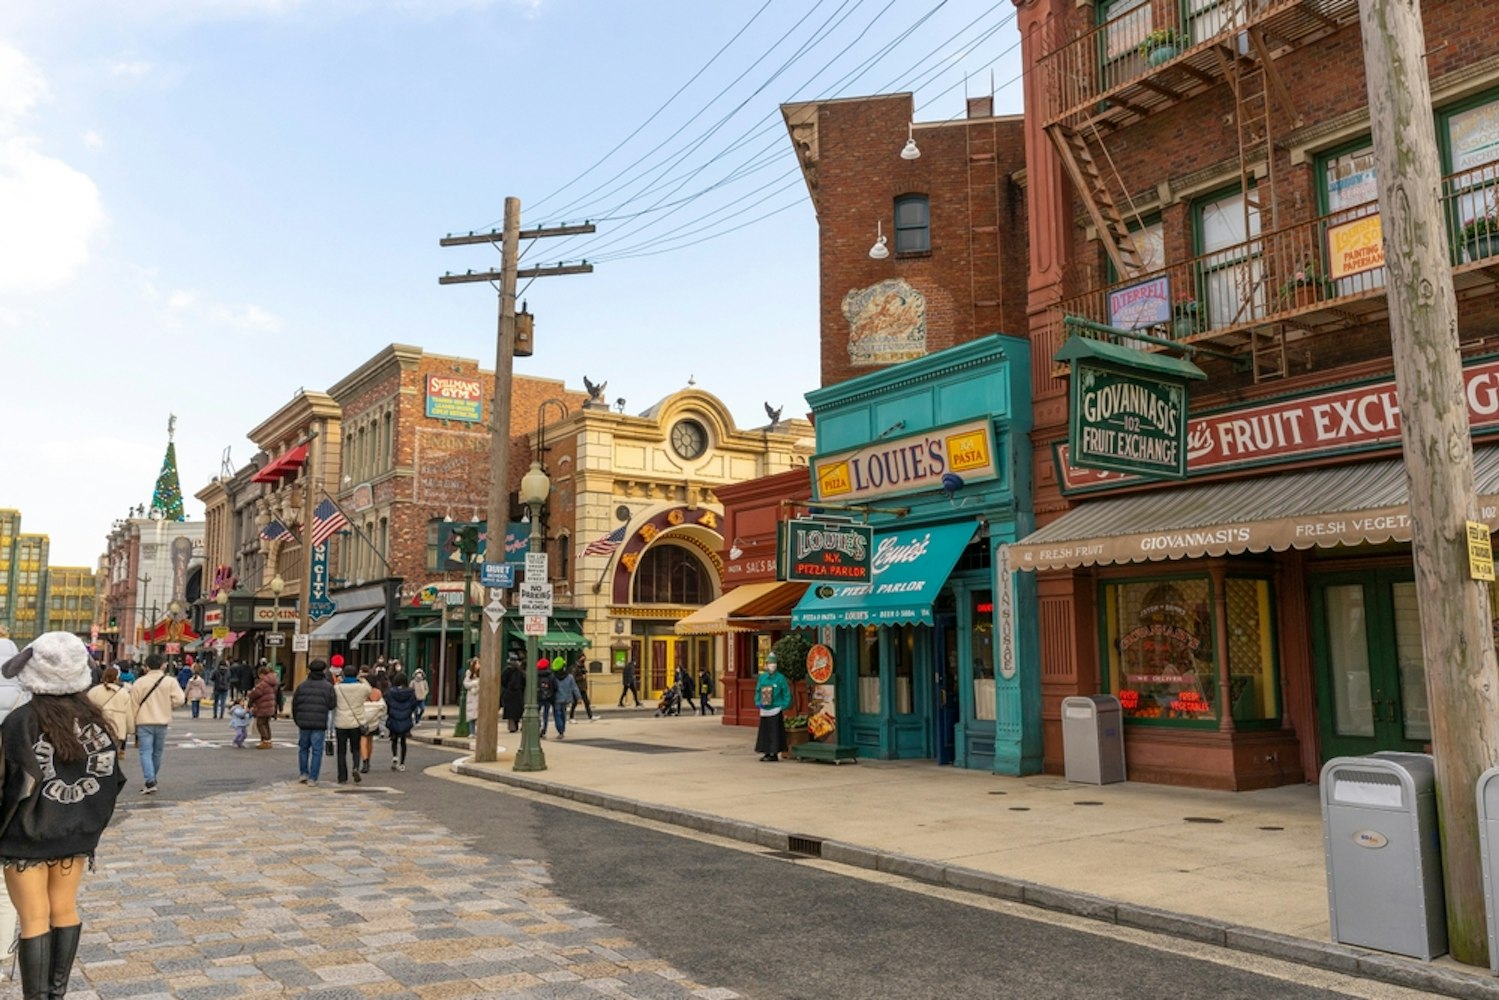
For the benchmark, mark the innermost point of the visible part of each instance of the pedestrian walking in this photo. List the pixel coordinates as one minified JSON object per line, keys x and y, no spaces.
{"x":60,"y":779}
{"x":512,"y":692}
{"x":400,"y":716}
{"x":374,"y":716}
{"x":262,"y":702}
{"x":184,"y":674}
{"x":684,"y":678}
{"x":12,"y":695}
{"x":239,"y":721}
{"x":349,"y":696}
{"x":127,"y":673}
{"x":196,"y":689}
{"x":580,"y":677}
{"x":706,"y":687}
{"x":566,"y":693}
{"x":471,"y":694}
{"x":113,"y":699}
{"x":546,"y":692}
{"x":772,"y":697}
{"x":630,"y":682}
{"x":155,"y":695}
{"x":310,"y":704}
{"x":421,"y":689}
{"x":220,"y":681}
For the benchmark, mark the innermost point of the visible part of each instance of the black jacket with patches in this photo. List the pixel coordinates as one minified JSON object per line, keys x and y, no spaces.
{"x":49,"y":808}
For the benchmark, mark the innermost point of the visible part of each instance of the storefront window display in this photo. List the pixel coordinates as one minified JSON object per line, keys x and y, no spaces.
{"x":1254,"y":694}
{"x":981,"y":645}
{"x":869,"y":671}
{"x":903,"y":652}
{"x":1158,"y":649}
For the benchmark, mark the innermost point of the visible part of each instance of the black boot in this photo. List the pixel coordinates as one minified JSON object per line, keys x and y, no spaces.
{"x":64,"y":948}
{"x":35,"y":956}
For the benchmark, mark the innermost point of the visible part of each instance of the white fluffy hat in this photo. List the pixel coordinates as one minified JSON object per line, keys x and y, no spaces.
{"x":54,"y":663}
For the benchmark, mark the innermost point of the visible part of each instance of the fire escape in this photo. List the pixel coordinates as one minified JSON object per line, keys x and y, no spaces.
{"x":1151,"y":57}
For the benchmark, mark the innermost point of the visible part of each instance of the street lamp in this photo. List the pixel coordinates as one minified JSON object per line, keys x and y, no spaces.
{"x":277,"y":586}
{"x":534,"y":487}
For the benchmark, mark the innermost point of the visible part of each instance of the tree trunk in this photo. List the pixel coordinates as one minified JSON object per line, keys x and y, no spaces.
{"x":1461,"y":678}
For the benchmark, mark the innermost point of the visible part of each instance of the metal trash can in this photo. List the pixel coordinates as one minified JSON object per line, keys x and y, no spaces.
{"x":1093,"y":739}
{"x":1384,"y":859}
{"x":1488,"y":843}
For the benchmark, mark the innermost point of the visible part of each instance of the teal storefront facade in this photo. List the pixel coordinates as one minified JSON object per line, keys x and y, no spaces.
{"x":933,"y":659}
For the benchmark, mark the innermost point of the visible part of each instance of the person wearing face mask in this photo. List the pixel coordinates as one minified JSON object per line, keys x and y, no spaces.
{"x":772,"y":697}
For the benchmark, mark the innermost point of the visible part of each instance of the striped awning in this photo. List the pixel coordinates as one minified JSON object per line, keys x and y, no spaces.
{"x":713,"y":618}
{"x":1358,"y":504}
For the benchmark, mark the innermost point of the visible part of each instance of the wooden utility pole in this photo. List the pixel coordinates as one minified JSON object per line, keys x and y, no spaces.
{"x":486,"y":720}
{"x":1462,"y":681}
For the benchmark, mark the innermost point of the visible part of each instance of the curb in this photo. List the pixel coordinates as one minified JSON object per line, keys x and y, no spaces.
{"x":1343,"y":959}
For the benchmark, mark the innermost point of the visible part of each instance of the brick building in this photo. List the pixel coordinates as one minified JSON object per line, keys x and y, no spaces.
{"x":1205,"y":174}
{"x":952,"y":220}
{"x":415,"y":481}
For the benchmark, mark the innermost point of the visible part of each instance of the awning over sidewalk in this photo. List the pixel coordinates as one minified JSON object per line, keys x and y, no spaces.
{"x":713,"y":618}
{"x":285,"y":464}
{"x":1364,"y":503}
{"x":910,"y":568}
{"x":368,"y":627}
{"x":341,"y":625}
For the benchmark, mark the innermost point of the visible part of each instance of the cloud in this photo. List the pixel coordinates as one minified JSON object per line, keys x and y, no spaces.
{"x":52,"y":211}
{"x":187,"y":307}
{"x":249,"y":317}
{"x":130,"y":69}
{"x":93,"y":140}
{"x":180,"y":300}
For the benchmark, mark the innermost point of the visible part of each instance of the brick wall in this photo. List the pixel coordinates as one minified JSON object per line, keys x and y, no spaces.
{"x":974,"y":277}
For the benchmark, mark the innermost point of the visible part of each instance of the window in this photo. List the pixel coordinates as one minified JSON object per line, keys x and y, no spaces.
{"x":869,"y":671}
{"x":1350,"y":192}
{"x":1253,"y":689}
{"x":1470,"y":149}
{"x":1158,"y":649}
{"x":981,"y":649}
{"x":1230,"y":275}
{"x":564,"y":550}
{"x":434,"y":558}
{"x":913,"y":224}
{"x":670,"y":574}
{"x":903,"y":655}
{"x":388,"y":455}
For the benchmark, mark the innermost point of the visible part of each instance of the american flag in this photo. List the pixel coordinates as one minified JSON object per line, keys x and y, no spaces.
{"x":326,"y":520}
{"x":605,"y":544}
{"x":275,"y":530}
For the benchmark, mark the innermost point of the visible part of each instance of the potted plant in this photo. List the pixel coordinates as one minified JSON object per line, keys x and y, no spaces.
{"x":796,"y":730}
{"x":1307,"y":285}
{"x":791,"y":652}
{"x":1161,"y":45}
{"x":1480,"y":235}
{"x":1184,"y":314}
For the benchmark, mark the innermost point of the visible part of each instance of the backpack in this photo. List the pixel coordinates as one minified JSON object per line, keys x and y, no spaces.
{"x":546,"y":687}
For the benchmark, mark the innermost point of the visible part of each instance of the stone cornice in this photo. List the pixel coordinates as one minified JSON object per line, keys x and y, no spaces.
{"x":389,"y":360}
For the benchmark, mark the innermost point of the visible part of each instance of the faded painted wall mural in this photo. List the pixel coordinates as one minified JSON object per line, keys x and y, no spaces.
{"x":886,"y":323}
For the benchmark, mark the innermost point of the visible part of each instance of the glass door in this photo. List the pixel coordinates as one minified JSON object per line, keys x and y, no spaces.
{"x":1371,"y":691}
{"x":945,"y":702}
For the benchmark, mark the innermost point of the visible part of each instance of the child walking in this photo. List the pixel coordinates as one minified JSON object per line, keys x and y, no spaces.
{"x":239,"y":721}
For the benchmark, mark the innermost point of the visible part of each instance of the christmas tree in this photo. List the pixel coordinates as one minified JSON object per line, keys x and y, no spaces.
{"x":168,"y":496}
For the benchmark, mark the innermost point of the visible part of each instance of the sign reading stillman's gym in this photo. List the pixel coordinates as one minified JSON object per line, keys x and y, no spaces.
{"x":1128,"y":422}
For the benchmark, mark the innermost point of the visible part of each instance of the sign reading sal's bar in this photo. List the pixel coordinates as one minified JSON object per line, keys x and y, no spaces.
{"x":1347,"y":419}
{"x":907,"y":465}
{"x":1128,"y":411}
{"x":450,"y":398}
{"x":819,"y":551}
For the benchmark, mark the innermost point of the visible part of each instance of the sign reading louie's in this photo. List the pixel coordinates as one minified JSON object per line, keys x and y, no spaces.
{"x":908,"y":464}
{"x":1128,"y":409}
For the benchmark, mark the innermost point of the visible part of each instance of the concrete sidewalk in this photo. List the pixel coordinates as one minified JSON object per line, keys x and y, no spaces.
{"x":1244,"y":870}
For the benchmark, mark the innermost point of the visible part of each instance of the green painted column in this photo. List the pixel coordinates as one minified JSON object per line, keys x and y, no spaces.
{"x":1017,"y":727}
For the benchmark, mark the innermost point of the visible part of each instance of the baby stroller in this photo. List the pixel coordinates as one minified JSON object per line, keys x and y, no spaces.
{"x":671,"y":701}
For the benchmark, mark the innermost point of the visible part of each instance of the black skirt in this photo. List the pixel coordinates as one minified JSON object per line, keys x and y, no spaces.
{"x":771,"y":738}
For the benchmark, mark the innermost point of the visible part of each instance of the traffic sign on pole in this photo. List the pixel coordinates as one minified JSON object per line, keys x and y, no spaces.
{"x":536,"y":625}
{"x":536,"y":599}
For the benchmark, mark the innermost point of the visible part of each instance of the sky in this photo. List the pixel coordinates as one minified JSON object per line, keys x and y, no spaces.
{"x":208,"y":205}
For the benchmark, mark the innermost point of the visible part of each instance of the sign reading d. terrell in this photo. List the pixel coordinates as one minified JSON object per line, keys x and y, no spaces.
{"x":1128,"y":422}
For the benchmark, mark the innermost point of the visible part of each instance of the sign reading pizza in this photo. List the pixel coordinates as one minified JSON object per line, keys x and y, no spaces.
{"x":908,"y":464}
{"x":817,"y":551}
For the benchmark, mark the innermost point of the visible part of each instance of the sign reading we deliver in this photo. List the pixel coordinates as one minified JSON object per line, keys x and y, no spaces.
{"x":908,"y":464}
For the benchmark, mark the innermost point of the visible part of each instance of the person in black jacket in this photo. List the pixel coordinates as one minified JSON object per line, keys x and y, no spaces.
{"x":512,"y":693}
{"x":59,"y":779}
{"x":310,"y":705}
{"x":684,"y":678}
{"x":400,"y":716}
{"x":219,"y":679}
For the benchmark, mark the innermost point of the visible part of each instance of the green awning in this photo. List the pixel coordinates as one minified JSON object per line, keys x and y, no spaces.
{"x":910,"y":568}
{"x":558,"y":640}
{"x":1077,"y":347}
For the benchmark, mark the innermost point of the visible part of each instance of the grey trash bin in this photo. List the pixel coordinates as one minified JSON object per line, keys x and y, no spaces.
{"x":1384,"y":860}
{"x":1093,"y":739}
{"x":1488,"y":844}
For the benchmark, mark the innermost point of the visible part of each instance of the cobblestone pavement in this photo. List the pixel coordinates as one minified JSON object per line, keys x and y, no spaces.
{"x":263,"y":894}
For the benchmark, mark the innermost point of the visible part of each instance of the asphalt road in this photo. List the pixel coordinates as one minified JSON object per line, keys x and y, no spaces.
{"x":761,"y":925}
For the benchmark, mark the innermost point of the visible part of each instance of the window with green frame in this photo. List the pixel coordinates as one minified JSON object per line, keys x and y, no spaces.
{"x":1348,"y":190}
{"x":1469,"y":137}
{"x":1230,"y":274}
{"x":1160,"y":659}
{"x":1126,"y":24}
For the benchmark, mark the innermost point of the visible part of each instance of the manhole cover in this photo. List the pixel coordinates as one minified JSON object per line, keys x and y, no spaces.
{"x":1087,"y":802}
{"x":1201,"y":819}
{"x":1020,"y":809}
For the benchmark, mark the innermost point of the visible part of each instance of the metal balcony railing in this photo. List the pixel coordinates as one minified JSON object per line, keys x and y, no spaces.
{"x":1111,"y":66}
{"x":1312,"y":275}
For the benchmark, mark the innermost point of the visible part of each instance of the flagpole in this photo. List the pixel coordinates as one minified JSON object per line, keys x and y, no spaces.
{"x":354,"y":526}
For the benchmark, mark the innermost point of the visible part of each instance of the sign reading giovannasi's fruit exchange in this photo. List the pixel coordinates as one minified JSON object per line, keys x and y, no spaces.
{"x":1127,"y":421}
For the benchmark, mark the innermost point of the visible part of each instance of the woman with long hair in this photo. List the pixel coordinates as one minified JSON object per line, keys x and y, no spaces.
{"x":113,"y":699}
{"x":58,"y":784}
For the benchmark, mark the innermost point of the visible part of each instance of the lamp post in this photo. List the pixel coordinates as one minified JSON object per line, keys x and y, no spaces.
{"x":534,"y":487}
{"x":277,"y":586}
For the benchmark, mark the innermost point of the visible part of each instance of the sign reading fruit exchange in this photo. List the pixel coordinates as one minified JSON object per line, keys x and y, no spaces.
{"x":1127,"y":421}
